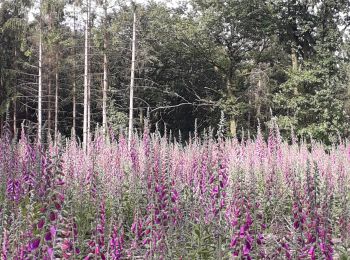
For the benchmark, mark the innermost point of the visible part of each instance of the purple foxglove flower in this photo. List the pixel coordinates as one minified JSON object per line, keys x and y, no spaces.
{"x":4,"y":250}
{"x":234,"y":241}
{"x":58,"y":206}
{"x":34,"y":244}
{"x":242,"y":231}
{"x":53,"y":231}
{"x":249,"y":220}
{"x":246,"y":248}
{"x":48,"y":236}
{"x":66,"y":246}
{"x":50,"y":252}
{"x":311,"y":252}
{"x":52,"y":216}
{"x":41,"y":223}
{"x":260,"y":239}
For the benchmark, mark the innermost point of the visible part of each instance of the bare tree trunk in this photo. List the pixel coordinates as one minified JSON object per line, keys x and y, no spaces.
{"x":90,"y":80}
{"x":86,"y":78}
{"x":249,"y":114}
{"x":14,"y":117}
{"x":49,"y":105}
{"x":294,"y":59}
{"x":7,"y":116}
{"x":89,"y":109}
{"x":232,"y":121}
{"x":142,"y":119}
{"x":56,"y":99}
{"x":74,"y":72}
{"x":40,"y":83}
{"x":1,"y":124}
{"x":49,"y":77}
{"x":295,"y":65}
{"x":2,"y":119}
{"x":105,"y":73}
{"x":26,"y":108}
{"x":258,"y":111}
{"x":15,"y":106}
{"x":132,"y":79}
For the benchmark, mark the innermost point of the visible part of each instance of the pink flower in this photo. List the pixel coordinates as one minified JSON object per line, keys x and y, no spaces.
{"x":312,"y":253}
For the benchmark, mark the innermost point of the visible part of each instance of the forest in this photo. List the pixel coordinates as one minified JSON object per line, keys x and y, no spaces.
{"x":174,"y":129}
{"x":252,"y":60}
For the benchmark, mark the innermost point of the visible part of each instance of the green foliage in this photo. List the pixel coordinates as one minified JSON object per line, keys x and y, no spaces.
{"x":116,"y":120}
{"x":12,"y":35}
{"x":246,"y":58}
{"x":201,"y":244}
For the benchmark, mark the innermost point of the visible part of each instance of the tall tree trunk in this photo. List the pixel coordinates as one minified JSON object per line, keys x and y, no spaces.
{"x":249,"y":114}
{"x":90,"y":80}
{"x":105,"y":73}
{"x":40,"y":81}
{"x":86,"y":78}
{"x":56,"y":99}
{"x":257,"y":98}
{"x":49,"y":105}
{"x":89,"y":109}
{"x":295,"y":65}
{"x":294,"y":58}
{"x":15,"y":104}
{"x":7,"y":117}
{"x":14,"y":117}
{"x":1,"y":124}
{"x":142,"y":119}
{"x":2,"y":120}
{"x":232,"y":121}
{"x":26,"y":108}
{"x":74,"y":72}
{"x":132,"y":79}
{"x":49,"y":77}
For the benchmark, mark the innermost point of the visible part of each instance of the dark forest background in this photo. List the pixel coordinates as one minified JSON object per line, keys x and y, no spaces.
{"x":254,"y":60}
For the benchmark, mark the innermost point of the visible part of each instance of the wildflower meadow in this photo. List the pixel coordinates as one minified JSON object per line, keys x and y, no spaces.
{"x":163,"y":198}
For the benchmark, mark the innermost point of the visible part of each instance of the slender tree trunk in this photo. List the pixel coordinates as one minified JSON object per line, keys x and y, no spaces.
{"x":89,"y":109}
{"x":295,"y":65}
{"x":26,"y":108}
{"x":7,"y":117}
{"x":249,"y":114}
{"x":2,"y":114}
{"x":132,"y":79}
{"x":105,"y":73}
{"x":86,"y":78}
{"x":257,"y":98}
{"x":49,"y":105}
{"x":56,"y":99}
{"x":90,"y":80}
{"x":232,"y":121}
{"x":14,"y":117}
{"x":142,"y":119}
{"x":1,"y":124}
{"x":15,"y":105}
{"x":74,"y":73}
{"x":49,"y":77}
{"x":40,"y":83}
{"x":294,"y":58}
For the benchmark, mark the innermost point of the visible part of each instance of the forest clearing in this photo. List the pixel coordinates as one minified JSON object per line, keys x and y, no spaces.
{"x":160,"y":129}
{"x":160,"y":199}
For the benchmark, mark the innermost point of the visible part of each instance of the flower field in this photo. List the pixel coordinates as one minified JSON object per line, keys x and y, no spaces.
{"x":212,"y":198}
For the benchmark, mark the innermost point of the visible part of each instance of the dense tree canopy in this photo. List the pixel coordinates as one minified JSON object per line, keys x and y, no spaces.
{"x":253,"y":60}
